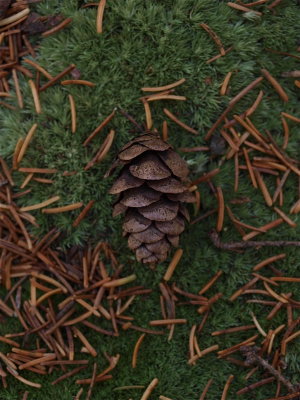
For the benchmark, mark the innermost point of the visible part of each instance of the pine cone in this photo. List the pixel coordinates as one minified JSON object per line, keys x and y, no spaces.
{"x":152,"y":187}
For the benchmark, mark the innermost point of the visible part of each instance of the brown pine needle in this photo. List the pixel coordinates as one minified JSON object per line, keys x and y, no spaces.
{"x":226,"y":352}
{"x":57,"y":28}
{"x":226,"y":387}
{"x":268,"y":261}
{"x":38,"y":170}
{"x":35,"y":96}
{"x":169,"y":321}
{"x":26,"y":142}
{"x":285,"y":217}
{"x":295,"y":209}
{"x":149,"y":122}
{"x":214,"y":37}
{"x":17,"y":87}
{"x":205,"y":390}
{"x":162,"y":88}
{"x":276,"y":85}
{"x":206,"y":177}
{"x":120,"y":281}
{"x":73,"y":113}
{"x":27,"y":382}
{"x":56,"y":78}
{"x":165,"y":131}
{"x":297,"y":83}
{"x":211,"y":282}
{"x":38,"y":68}
{"x":180,"y":123}
{"x":225,"y":83}
{"x":263,"y":188}
{"x":83,"y":213}
{"x":57,"y":210}
{"x":256,"y":103}
{"x":166,"y":97}
{"x":40,"y":205}
{"x":274,"y":294}
{"x":280,"y":185}
{"x":173,"y":264}
{"x":136,"y":350}
{"x":250,"y":168}
{"x":77,"y":82}
{"x":84,"y":341}
{"x":100,"y":13}
{"x":221,"y":208}
{"x":284,"y":160}
{"x":99,"y":128}
{"x":242,"y":8}
{"x":266,"y":227}
{"x":232,"y":330}
{"x":149,"y":389}
{"x":291,"y":117}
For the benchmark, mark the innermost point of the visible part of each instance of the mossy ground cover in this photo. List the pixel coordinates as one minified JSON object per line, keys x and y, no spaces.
{"x":147,"y":44}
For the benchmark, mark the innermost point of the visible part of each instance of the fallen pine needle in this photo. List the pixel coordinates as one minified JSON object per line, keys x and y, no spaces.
{"x":26,"y":143}
{"x":149,"y":122}
{"x":38,"y":68}
{"x":73,"y":113}
{"x":77,"y":82}
{"x":242,"y":8}
{"x":83,"y":213}
{"x":225,"y":83}
{"x":173,"y":264}
{"x":57,"y":28}
{"x":35,"y":96}
{"x":149,"y":389}
{"x":56,"y":210}
{"x":211,"y":282}
{"x":180,"y":123}
{"x":257,"y":324}
{"x":38,"y":170}
{"x":120,"y":282}
{"x":40,"y":205}
{"x":136,"y":349}
{"x":205,"y":390}
{"x":267,"y":261}
{"x":100,"y":13}
{"x":214,"y":37}
{"x":263,"y":188}
{"x":226,"y":387}
{"x":285,"y":217}
{"x":161,"y":88}
{"x":160,"y":322}
{"x":98,"y":129}
{"x":275,"y":84}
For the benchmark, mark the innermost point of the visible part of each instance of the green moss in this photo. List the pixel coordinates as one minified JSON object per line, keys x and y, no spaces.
{"x":147,"y":44}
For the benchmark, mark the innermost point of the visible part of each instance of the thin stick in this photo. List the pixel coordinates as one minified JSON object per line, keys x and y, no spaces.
{"x":136,"y":350}
{"x":161,"y":88}
{"x":180,"y":123}
{"x":173,"y":264}
{"x":100,"y":13}
{"x":275,"y":84}
{"x":73,"y":113}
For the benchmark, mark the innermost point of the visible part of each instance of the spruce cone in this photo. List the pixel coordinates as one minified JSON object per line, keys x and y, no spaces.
{"x":152,"y":187}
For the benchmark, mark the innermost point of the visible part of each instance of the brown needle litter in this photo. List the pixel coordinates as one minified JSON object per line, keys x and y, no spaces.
{"x":73,"y":113}
{"x":275,"y":84}
{"x":162,"y":88}
{"x":149,"y":389}
{"x":99,"y":128}
{"x":225,"y":83}
{"x":173,"y":264}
